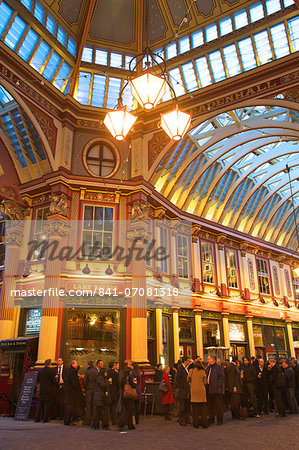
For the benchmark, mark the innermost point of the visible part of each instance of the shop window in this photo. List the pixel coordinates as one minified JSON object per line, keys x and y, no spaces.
{"x":296,"y":337}
{"x":98,"y":230}
{"x":232,"y":269}
{"x":296,"y":285}
{"x":208,"y":268}
{"x":258,"y":336}
{"x":280,"y":338}
{"x":263,"y":276}
{"x":165,"y":339}
{"x":92,"y":335}
{"x":182,"y":256}
{"x":186,"y":328}
{"x":269,"y":336}
{"x":101,"y":159}
{"x":150,"y":324}
{"x":237,"y":332}
{"x":211,"y":333}
{"x":33,"y":321}
{"x":164,"y":244}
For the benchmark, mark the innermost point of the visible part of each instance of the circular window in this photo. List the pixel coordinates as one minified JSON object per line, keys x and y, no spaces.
{"x":101,"y":159}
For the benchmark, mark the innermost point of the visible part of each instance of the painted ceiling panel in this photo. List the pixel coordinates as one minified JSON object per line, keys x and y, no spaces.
{"x":205,"y":7}
{"x":177,"y":9}
{"x":70,"y":10}
{"x":156,"y":25}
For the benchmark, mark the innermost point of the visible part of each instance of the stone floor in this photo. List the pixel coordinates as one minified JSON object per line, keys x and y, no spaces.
{"x":268,"y":432}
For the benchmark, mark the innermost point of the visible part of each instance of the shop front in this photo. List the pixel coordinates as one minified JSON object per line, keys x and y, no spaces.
{"x":187,"y":334}
{"x":212,"y":335}
{"x":270,"y":338}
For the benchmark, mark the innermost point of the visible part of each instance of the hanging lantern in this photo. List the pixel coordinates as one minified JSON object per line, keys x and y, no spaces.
{"x":148,"y":89}
{"x":119,"y":122}
{"x":175,"y":123}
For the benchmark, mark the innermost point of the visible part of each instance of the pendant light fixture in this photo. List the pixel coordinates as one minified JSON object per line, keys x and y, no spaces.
{"x":148,"y":89}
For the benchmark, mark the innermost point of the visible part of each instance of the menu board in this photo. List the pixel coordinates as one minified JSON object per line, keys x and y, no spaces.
{"x":33,"y":320}
{"x":25,"y":398}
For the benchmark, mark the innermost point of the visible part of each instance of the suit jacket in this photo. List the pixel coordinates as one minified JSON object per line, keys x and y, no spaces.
{"x":73,"y":391}
{"x":181,"y":384}
{"x":64,"y":371}
{"x":263,"y":382}
{"x":233,"y":378}
{"x":101,"y":387}
{"x":215,"y":379}
{"x":249,"y":374}
{"x":48,"y":385}
{"x":90,"y":378}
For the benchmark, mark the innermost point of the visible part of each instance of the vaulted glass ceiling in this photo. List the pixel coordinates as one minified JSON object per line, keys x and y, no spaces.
{"x":231,"y":169}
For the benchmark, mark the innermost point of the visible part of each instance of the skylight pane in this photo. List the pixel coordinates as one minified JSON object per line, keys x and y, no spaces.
{"x":116,"y":59}
{"x":39,"y":11}
{"x":40,"y":55}
{"x":197,"y":39}
{"x":184,"y":44}
{"x":189,"y":77}
{"x":176,"y":81}
{"x":98,"y":90}
{"x":203,"y":71}
{"x":15,"y":32}
{"x":83,"y":88}
{"x":5,"y":96}
{"x":52,"y":66}
{"x":240,"y":19}
{"x":288,"y":3}
{"x":217,"y":66}
{"x":61,"y":35}
{"x":127,"y":97}
{"x":231,"y":60}
{"x":5,"y":14}
{"x":128,"y":59}
{"x":51,"y":24}
{"x":263,"y":47}
{"x":113,"y":92}
{"x":293,"y":25}
{"x":211,"y":32}
{"x":87,"y":54}
{"x":28,"y":45}
{"x":62,"y":75}
{"x":71,"y":45}
{"x":171,"y":50}
{"x":101,"y":57}
{"x":279,"y":40}
{"x":247,"y":54}
{"x":272,"y":6}
{"x":225,"y":26}
{"x":27,"y":3}
{"x":256,"y":12}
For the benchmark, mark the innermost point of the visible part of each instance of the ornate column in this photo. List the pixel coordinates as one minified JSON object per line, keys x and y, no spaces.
{"x":176,"y":333}
{"x":221,"y":264}
{"x":290,"y":337}
{"x":14,"y":236}
{"x":244,"y":271}
{"x":196,"y":259}
{"x":138,"y":235}
{"x":56,"y":229}
{"x":250,"y":335}
{"x":198,"y":332}
{"x":159,"y":336}
{"x":225,"y":329}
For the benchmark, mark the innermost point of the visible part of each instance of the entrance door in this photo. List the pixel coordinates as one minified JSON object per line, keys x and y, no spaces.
{"x":187,"y":350}
{"x":238,"y":350}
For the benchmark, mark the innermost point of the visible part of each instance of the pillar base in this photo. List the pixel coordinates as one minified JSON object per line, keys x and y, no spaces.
{"x":6,"y":329}
{"x":47,"y":339}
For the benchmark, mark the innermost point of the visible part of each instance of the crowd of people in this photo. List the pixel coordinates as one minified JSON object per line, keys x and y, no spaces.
{"x":190,"y":388}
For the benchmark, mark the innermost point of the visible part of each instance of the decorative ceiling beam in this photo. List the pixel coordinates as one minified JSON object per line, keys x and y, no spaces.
{"x":82,"y":39}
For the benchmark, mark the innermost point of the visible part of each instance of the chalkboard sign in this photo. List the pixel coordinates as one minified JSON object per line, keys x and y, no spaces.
{"x":25,"y":398}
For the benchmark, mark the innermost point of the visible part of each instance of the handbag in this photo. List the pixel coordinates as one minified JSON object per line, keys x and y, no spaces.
{"x":162,"y":387}
{"x":129,"y":392}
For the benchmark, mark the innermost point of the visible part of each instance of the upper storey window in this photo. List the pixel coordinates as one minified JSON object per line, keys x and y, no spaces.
{"x":263,"y":276}
{"x":208,"y":265}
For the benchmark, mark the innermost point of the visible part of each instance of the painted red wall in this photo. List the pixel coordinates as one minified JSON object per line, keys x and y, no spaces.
{"x":10,"y":176}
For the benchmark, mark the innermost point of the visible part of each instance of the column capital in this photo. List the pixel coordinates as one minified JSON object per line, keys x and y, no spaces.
{"x":138,"y":233}
{"x":249,"y":316}
{"x":56,"y":225}
{"x":198,"y":311}
{"x":225,"y":314}
{"x":175,"y":309}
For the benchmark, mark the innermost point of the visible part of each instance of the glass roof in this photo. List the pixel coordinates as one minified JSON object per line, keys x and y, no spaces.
{"x":231,"y":169}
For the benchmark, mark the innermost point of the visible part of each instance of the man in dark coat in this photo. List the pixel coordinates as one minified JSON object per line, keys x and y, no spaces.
{"x":183,"y":391}
{"x":114,"y":388}
{"x":158,"y":373}
{"x":46,"y":378}
{"x":262,"y":387}
{"x":249,"y":377}
{"x":89,"y":383}
{"x":73,"y":393}
{"x":234,"y":387}
{"x":60,"y":374}
{"x":277,"y":381}
{"x":296,"y":372}
{"x":290,"y":386}
{"x":215,"y":390}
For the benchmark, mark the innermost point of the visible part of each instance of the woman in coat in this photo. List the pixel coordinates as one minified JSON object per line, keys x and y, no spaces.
{"x":198,"y":380}
{"x":128,"y":402}
{"x":101,"y":401}
{"x":167,"y":397}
